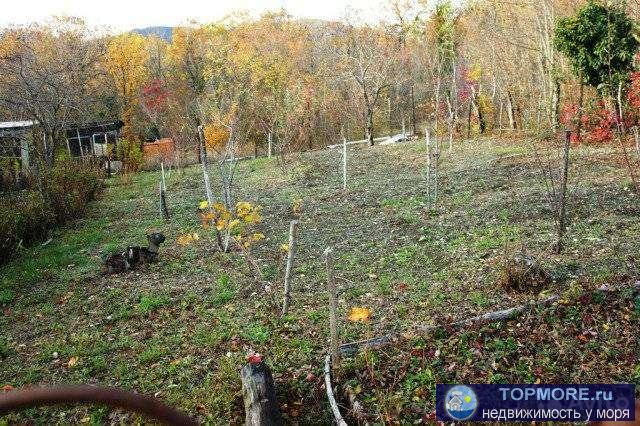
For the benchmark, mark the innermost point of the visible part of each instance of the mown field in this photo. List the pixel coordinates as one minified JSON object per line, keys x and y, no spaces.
{"x":181,"y":328}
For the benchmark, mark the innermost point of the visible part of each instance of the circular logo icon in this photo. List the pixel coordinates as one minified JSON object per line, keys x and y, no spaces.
{"x":461,"y":402}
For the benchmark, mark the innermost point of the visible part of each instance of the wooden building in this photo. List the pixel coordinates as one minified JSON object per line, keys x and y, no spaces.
{"x":92,"y":139}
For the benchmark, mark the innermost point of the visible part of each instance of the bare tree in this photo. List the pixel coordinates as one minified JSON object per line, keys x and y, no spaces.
{"x":48,"y":73}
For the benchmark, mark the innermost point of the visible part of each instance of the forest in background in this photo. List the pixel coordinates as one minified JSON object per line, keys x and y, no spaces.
{"x":486,"y":66}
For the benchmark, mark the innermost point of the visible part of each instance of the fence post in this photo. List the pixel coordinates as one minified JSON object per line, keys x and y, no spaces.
{"x":344,"y":163}
{"x":333,"y":306}
{"x":293,"y":230}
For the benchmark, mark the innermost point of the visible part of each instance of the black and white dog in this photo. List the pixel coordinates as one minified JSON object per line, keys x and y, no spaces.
{"x":134,"y":256}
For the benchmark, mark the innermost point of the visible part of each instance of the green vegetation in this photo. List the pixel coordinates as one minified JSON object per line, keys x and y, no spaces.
{"x":181,"y":328}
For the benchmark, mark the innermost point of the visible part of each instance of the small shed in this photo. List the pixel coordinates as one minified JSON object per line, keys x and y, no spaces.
{"x":14,"y":142}
{"x":92,"y":139}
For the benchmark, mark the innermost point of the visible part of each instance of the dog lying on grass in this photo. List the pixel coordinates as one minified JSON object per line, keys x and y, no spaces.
{"x":134,"y":256}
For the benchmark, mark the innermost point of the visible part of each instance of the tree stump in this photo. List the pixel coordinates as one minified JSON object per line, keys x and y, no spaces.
{"x":259,"y":394}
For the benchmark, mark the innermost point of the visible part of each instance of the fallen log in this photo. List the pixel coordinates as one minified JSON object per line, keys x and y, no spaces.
{"x":349,"y":349}
{"x":259,"y":394}
{"x":352,"y":348}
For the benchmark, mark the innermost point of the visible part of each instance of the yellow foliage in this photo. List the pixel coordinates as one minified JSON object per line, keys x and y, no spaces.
{"x":296,"y":206}
{"x":360,"y":314}
{"x":186,"y":239}
{"x":235,"y":223}
{"x":126,"y":62}
{"x":215,"y":137}
{"x":475,"y":73}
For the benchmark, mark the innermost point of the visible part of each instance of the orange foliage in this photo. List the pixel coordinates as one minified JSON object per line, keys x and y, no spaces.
{"x":215,"y":137}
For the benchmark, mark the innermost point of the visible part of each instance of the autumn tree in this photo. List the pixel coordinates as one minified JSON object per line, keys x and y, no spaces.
{"x":127,"y":63}
{"x":368,"y":60}
{"x":48,"y":73}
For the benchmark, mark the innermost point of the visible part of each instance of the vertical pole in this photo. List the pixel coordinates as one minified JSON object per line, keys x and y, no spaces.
{"x":333,"y":306}
{"x":428,"y":140}
{"x":164,"y":211}
{"x":344,"y":163}
{"x":293,"y":230}
{"x":108,"y":154}
{"x":79,"y":142}
{"x":269,"y":141}
{"x":164,"y":185}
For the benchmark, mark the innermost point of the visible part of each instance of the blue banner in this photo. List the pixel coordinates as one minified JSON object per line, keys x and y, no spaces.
{"x":525,"y":403}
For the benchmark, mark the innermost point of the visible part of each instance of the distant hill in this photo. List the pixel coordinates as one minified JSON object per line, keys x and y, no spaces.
{"x":164,"y":33}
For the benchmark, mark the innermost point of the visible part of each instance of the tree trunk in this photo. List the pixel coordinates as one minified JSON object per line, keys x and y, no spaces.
{"x":580,"y":102}
{"x":413,"y":112}
{"x":562,"y":195}
{"x":259,"y":394}
{"x":369,"y":129}
{"x":205,"y":167}
{"x":333,"y":306}
{"x":510,"y":112}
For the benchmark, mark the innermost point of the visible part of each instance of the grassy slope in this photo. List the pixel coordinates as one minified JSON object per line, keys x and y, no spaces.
{"x":181,"y":329}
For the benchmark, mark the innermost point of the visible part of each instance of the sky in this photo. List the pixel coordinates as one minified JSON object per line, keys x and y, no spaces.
{"x":124,"y":15}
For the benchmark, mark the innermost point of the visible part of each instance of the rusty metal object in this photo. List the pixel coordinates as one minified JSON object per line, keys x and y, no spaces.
{"x":116,"y":398}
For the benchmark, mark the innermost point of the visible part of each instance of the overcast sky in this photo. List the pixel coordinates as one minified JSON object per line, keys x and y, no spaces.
{"x":128,"y":14}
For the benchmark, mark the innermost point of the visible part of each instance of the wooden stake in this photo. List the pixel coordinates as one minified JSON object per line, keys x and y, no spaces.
{"x":333,"y":306}
{"x":344,"y":163}
{"x":164,"y":210}
{"x":293,"y":230}
{"x":269,"y":142}
{"x":164,"y":184}
{"x":428,"y":140}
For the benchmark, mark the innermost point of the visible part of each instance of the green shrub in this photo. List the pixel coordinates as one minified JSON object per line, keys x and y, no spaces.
{"x":130,"y":153}
{"x":27,"y":215}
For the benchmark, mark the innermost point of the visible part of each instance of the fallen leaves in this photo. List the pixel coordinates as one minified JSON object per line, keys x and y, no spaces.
{"x":186,"y":239}
{"x":72,"y":361}
{"x":7,"y":388}
{"x":359,"y":314}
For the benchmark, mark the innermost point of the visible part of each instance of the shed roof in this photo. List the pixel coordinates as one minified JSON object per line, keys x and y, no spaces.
{"x":10,"y":125}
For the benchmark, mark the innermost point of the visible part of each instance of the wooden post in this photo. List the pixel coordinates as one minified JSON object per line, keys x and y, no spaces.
{"x":79,"y":142}
{"x":428,"y":140}
{"x":164,"y":210}
{"x":561,"y":207}
{"x":333,"y":306}
{"x":344,"y":163}
{"x":24,"y":154}
{"x":164,"y":184}
{"x":259,"y":394}
{"x":293,"y":230}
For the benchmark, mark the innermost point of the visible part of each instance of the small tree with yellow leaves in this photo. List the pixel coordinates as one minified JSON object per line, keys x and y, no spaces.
{"x":234,"y":228}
